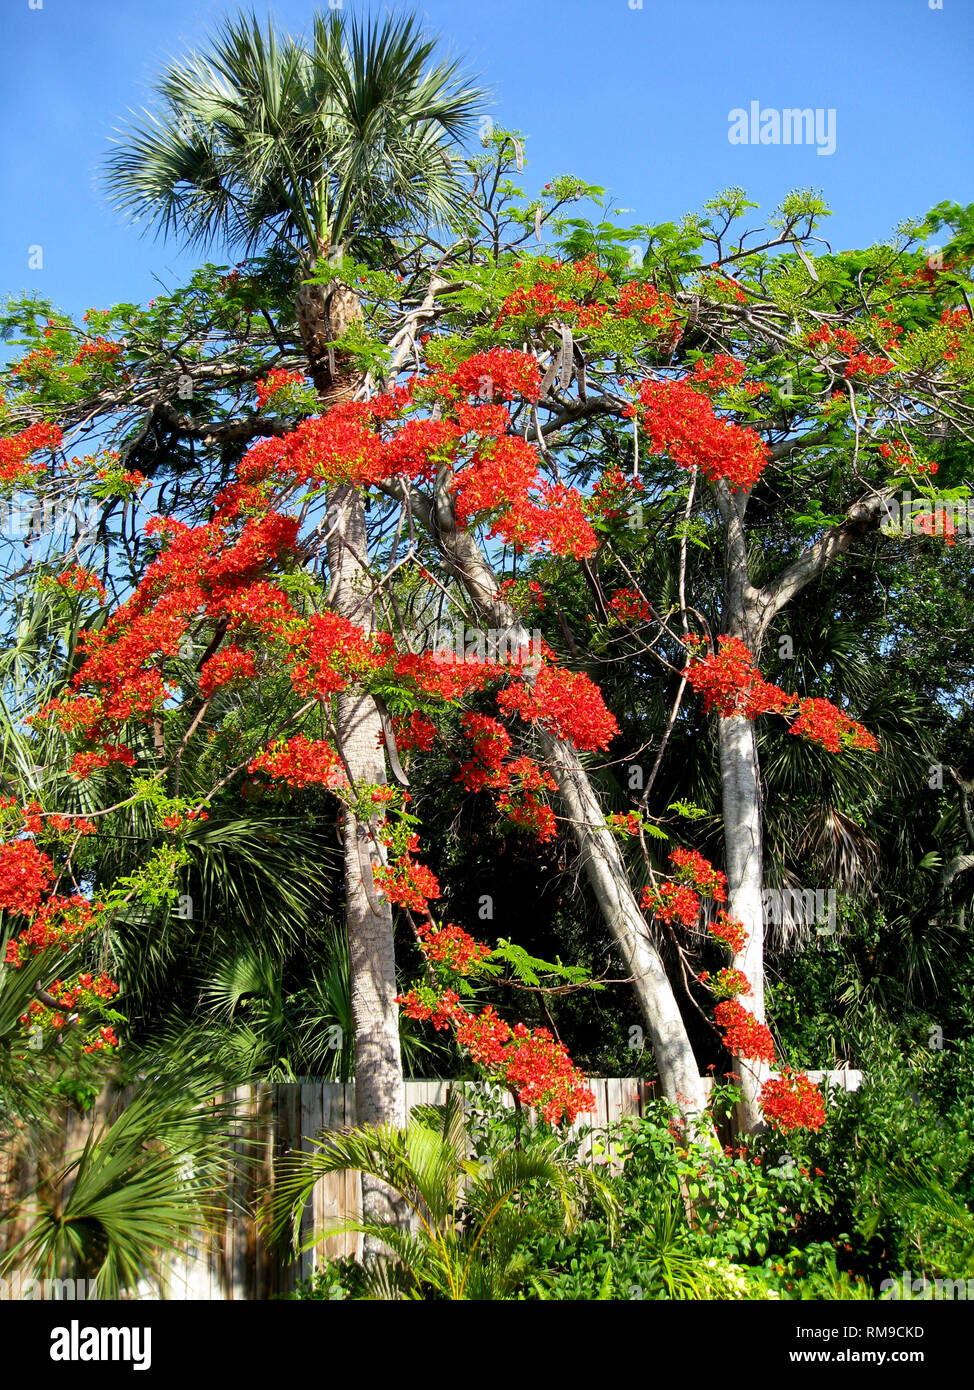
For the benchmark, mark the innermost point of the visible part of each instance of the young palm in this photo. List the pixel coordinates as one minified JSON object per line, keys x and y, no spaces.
{"x":314,"y":147}
{"x":471,"y":1228}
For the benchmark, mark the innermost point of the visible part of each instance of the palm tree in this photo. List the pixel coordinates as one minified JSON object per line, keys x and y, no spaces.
{"x":146,"y":1181}
{"x":316,"y":147}
{"x":471,"y":1228}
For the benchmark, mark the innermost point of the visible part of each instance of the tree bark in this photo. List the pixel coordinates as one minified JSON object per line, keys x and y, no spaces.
{"x":323,"y":315}
{"x":744,"y":865}
{"x":748,"y":614}
{"x":600,"y":856}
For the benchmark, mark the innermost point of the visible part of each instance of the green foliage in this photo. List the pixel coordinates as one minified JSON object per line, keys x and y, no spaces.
{"x":144,"y":1184}
{"x":473,"y":1231}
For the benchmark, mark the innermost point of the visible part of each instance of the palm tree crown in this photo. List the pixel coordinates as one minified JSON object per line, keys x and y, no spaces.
{"x":267,"y":138}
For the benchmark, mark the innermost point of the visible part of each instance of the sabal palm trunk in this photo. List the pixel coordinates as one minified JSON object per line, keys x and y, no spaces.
{"x":379,"y":1088}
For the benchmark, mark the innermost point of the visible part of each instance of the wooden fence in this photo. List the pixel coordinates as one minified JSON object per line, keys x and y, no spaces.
{"x":236,"y":1259}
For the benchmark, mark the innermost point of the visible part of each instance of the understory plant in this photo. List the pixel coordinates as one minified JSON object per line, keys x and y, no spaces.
{"x":475,"y":1221}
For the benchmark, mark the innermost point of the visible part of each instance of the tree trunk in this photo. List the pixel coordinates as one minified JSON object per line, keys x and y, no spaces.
{"x":379,"y":1086}
{"x":380,"y":1096}
{"x":746,"y":618}
{"x":743,"y":855}
{"x":599,"y":850}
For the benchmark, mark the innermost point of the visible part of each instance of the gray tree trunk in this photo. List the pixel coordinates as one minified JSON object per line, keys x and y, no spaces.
{"x":600,"y":856}
{"x":380,"y":1093}
{"x":744,"y":865}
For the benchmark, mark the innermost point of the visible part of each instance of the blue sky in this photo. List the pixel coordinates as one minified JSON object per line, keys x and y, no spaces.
{"x":634,"y":99}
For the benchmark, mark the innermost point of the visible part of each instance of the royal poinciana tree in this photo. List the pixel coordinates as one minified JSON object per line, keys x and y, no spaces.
{"x":496,"y":404}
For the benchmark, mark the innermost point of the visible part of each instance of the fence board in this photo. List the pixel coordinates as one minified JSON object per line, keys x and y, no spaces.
{"x":238,"y":1259}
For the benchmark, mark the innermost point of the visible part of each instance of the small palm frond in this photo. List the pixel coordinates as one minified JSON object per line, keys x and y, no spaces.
{"x":144,"y":1184}
{"x":265,"y":138}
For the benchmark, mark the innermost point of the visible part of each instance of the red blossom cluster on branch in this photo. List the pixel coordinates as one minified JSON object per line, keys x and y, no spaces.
{"x":730,"y":682}
{"x":744,"y":1036}
{"x":679,"y":898}
{"x":16,"y":449}
{"x":27,"y":875}
{"x":531,"y":1062}
{"x":679,"y":421}
{"x":301,"y":762}
{"x":792,"y":1101}
{"x":567,"y":703}
{"x":629,"y":606}
{"x":274,"y":383}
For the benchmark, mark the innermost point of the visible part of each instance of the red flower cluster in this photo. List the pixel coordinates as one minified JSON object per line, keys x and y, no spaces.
{"x":500,"y":481}
{"x":54,"y":924}
{"x":451,"y":946}
{"x":419,"y":733}
{"x":230,"y":664}
{"x":407,"y":883}
{"x":630,"y":606}
{"x":727,"y":983}
{"x":680,"y":422}
{"x":497,"y":375}
{"x":274,"y":382}
{"x":729,"y":930}
{"x":672,"y":900}
{"x":937,"y":524}
{"x":646,"y":305}
{"x":26,"y":873}
{"x":16,"y":449}
{"x":532,"y":1064}
{"x":567,"y":703}
{"x":302,"y":762}
{"x":858,"y":363}
{"x":518,"y":780}
{"x":744,"y":1036}
{"x":724,"y":284}
{"x":423,"y":1004}
{"x":99,"y":353}
{"x":79,"y":580}
{"x":821,"y":722}
{"x":792,"y":1101}
{"x":731,"y":683}
{"x":700,"y":874}
{"x":105,"y":1038}
{"x":723,"y":373}
{"x":611,"y":495}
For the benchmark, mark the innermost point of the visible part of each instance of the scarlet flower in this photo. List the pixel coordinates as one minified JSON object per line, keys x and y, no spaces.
{"x":744,"y":1036}
{"x":792,"y":1101}
{"x":731,"y":683}
{"x":672,"y":901}
{"x":407,"y":883}
{"x":729,"y":930}
{"x":16,"y":449}
{"x":567,"y":703}
{"x":25,"y":874}
{"x":680,"y":422}
{"x":700,"y":873}
{"x":821,"y":722}
{"x":451,"y":947}
{"x":274,"y":383}
{"x":630,"y":607}
{"x":302,"y":762}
